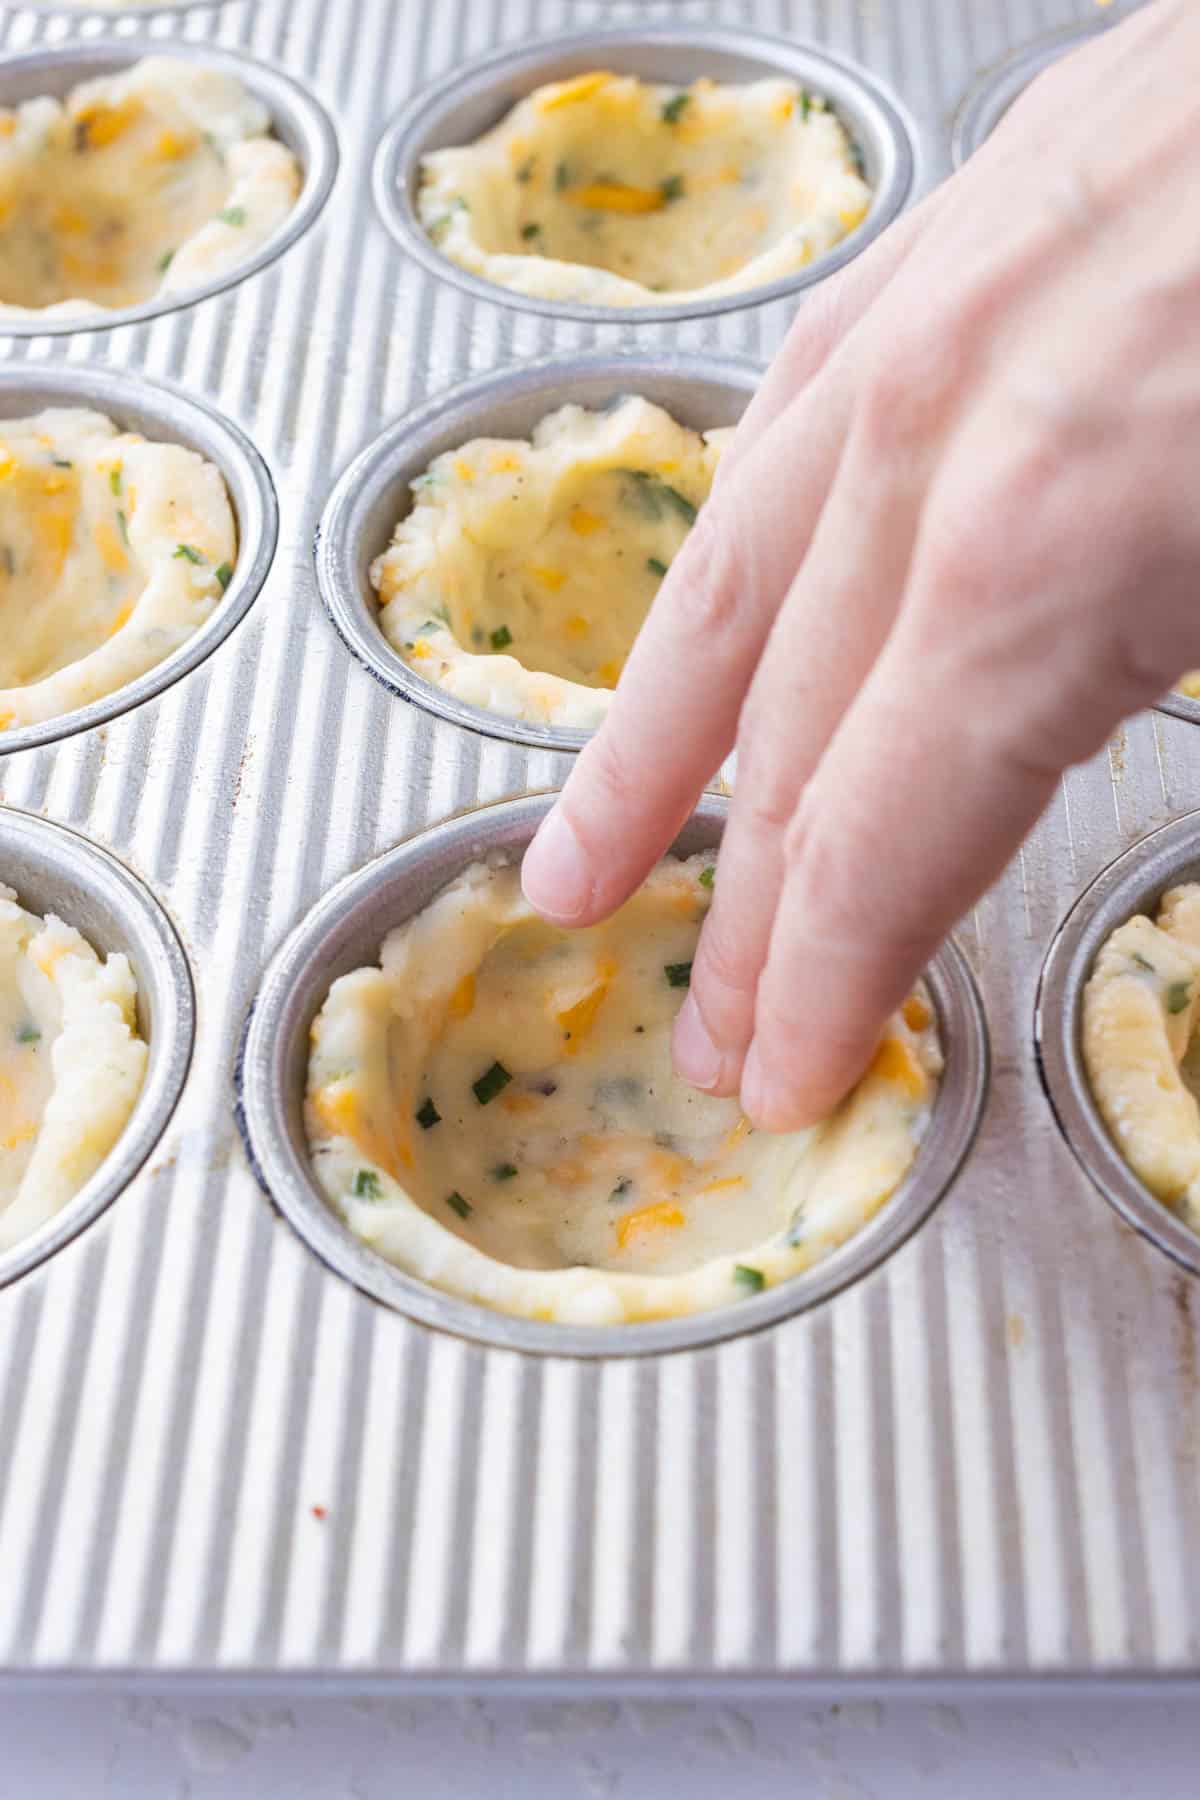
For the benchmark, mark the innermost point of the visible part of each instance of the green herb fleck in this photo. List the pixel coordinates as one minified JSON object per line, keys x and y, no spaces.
{"x":233,"y":215}
{"x":114,"y":478}
{"x":525,"y":172}
{"x":504,"y":1171}
{"x":1178,"y":995}
{"x":530,"y":231}
{"x":562,"y":176}
{"x":189,"y":553}
{"x":123,"y":522}
{"x":62,"y":462}
{"x":165,"y":261}
{"x":224,"y":575}
{"x":1143,"y":962}
{"x":492,"y":1082}
{"x":806,"y":104}
{"x":28,"y":1033}
{"x":457,"y":1204}
{"x":428,"y":1115}
{"x":656,"y":566}
{"x":678,"y":974}
{"x":857,"y":158}
{"x":501,"y":637}
{"x":367,"y":1186}
{"x":707,"y":876}
{"x":680,"y":502}
{"x":751,"y":1281}
{"x":671,"y":189}
{"x":622,"y":1188}
{"x":675,"y":107}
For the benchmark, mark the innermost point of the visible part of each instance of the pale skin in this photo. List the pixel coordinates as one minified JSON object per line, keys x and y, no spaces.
{"x":955,"y":541}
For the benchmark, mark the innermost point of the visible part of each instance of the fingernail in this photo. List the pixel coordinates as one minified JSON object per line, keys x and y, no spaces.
{"x":555,"y":875}
{"x":761,"y":1099}
{"x":697,"y":1058}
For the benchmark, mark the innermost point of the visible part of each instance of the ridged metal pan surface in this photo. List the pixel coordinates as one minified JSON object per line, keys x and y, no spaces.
{"x":346,"y":932}
{"x":221,"y":1460}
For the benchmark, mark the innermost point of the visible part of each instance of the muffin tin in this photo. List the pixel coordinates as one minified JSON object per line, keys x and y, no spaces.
{"x":959,"y":1450}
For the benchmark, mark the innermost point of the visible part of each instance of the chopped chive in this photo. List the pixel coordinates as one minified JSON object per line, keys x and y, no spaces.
{"x":674,"y":108}
{"x":678,"y":974}
{"x":707,"y":876}
{"x":62,"y":462}
{"x":525,"y":172}
{"x":224,"y":575}
{"x":671,"y":189}
{"x":457,"y":1204}
{"x":189,"y":553}
{"x":504,"y":1171}
{"x":27,"y":1033}
{"x":805,"y":103}
{"x":123,"y":522}
{"x":428,"y":1115}
{"x":858,"y":159}
{"x":233,"y":215}
{"x":622,"y":1188}
{"x":114,"y":478}
{"x":492,"y":1082}
{"x":530,"y":231}
{"x":656,"y":566}
{"x":562,"y":176}
{"x":165,"y":261}
{"x":501,"y":637}
{"x":680,"y":502}
{"x":751,"y":1281}
{"x":366,"y":1185}
{"x":1178,"y":995}
{"x":1143,"y":962}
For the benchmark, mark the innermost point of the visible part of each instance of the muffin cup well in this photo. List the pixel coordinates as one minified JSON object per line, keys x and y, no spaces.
{"x":297,"y":120}
{"x":702,"y":392}
{"x":345,"y":931}
{"x":57,"y":870}
{"x":994,"y":91}
{"x":476,"y":96}
{"x":1132,"y":884}
{"x":168,"y":415}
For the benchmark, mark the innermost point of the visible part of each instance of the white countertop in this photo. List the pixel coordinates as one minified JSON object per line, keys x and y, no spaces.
{"x":79,"y":1747}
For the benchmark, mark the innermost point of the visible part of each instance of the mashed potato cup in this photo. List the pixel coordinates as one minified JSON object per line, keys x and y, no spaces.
{"x":136,"y":529}
{"x":137,"y":178}
{"x":476,"y":1119}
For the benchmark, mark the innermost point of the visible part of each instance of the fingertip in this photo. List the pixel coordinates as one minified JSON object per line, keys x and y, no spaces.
{"x":556,"y":872}
{"x":696,"y":1057}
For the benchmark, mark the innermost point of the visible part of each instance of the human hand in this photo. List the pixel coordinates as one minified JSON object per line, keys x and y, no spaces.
{"x":954,"y":541}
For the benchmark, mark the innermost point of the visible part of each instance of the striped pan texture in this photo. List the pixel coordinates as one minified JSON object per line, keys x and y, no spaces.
{"x":216,"y":1457}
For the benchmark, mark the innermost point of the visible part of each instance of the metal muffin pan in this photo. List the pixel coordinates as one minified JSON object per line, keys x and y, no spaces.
{"x":373,"y":494}
{"x":346,"y":930}
{"x":297,"y":120}
{"x":171,"y":416}
{"x":58,"y":871}
{"x":125,"y":9}
{"x":1134,"y":883}
{"x":477,"y":96}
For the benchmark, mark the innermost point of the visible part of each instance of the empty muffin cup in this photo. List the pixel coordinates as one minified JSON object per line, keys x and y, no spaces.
{"x":55,"y":870}
{"x":699,"y":393}
{"x":465,"y":105}
{"x":994,"y":91}
{"x":345,"y":932}
{"x":297,"y":122}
